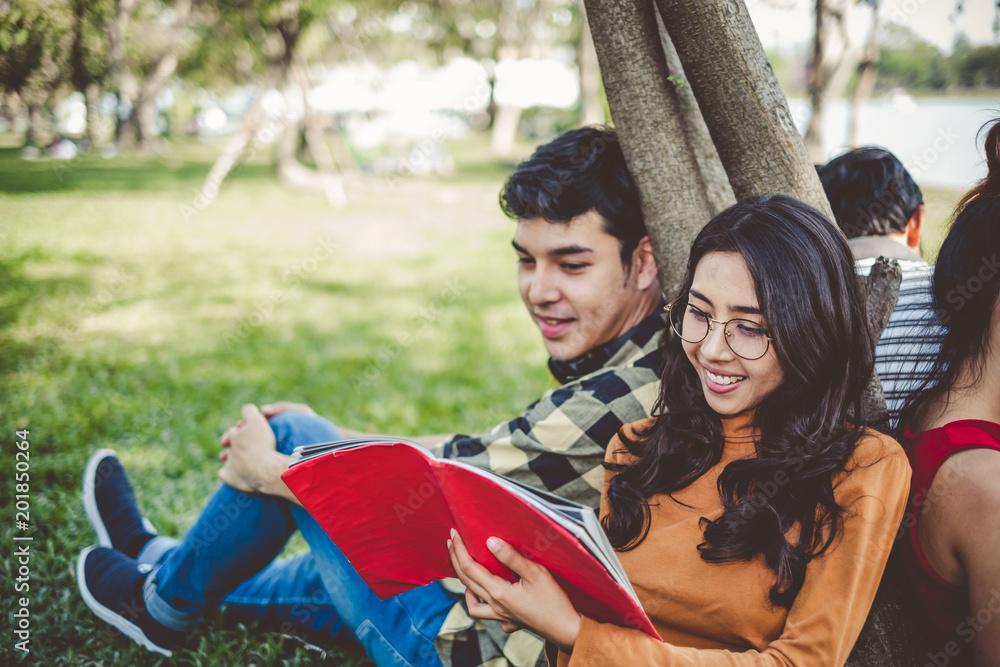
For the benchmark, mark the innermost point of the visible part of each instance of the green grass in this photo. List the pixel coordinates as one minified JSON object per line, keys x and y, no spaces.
{"x":128,"y":319}
{"x":940,"y":205}
{"x":123,"y":324}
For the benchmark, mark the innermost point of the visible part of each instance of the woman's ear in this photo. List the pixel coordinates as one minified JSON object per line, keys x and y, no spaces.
{"x":644,"y":264}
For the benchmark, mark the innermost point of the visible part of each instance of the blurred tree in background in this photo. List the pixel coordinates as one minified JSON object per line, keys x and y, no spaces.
{"x":326,"y":83}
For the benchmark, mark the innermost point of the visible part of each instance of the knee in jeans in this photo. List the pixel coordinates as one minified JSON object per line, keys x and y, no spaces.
{"x":293,"y":429}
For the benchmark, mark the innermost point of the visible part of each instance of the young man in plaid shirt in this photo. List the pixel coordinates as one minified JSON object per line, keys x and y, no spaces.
{"x":588,"y":280}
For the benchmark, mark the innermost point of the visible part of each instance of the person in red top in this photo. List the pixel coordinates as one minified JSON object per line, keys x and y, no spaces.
{"x":952,"y":548}
{"x":752,"y":517}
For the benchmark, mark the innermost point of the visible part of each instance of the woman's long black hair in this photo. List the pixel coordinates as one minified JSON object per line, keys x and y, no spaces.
{"x":966,"y":286}
{"x":813,"y":305}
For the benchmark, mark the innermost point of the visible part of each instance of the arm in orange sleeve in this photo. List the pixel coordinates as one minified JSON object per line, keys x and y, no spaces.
{"x":830,"y":610}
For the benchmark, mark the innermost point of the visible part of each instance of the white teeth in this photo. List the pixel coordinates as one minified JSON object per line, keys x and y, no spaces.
{"x":724,"y":379}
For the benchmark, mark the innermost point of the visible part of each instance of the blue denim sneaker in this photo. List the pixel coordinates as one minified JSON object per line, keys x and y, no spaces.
{"x":110,"y":504}
{"x":111,"y":585}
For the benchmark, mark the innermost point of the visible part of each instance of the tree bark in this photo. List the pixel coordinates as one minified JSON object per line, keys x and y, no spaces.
{"x":590,"y":78}
{"x":741,"y":101}
{"x":882,"y":291}
{"x":647,"y":115}
{"x":713,"y":174}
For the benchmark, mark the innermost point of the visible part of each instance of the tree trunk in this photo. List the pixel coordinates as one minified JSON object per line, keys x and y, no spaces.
{"x":882,"y":286}
{"x":833,"y":67}
{"x":33,"y":130}
{"x":240,"y":141}
{"x":862,"y":93}
{"x":889,"y":636}
{"x":92,"y":93}
{"x":13,"y":106}
{"x":290,"y":171}
{"x":741,"y":101}
{"x":330,"y":182}
{"x":866,"y":77}
{"x":590,"y":78}
{"x":142,"y":123}
{"x":166,"y":65}
{"x":713,"y":174}
{"x":146,"y":120}
{"x":748,"y":119}
{"x":647,"y":115}
{"x":505,"y":123}
{"x":814,"y":130}
{"x":506,"y":118}
{"x":121,"y":72}
{"x":517,"y":41}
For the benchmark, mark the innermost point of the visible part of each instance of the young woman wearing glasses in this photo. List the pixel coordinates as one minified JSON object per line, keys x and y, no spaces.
{"x":952,"y":548}
{"x":753,"y":518}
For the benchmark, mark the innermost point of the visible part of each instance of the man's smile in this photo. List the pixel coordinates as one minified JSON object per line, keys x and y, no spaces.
{"x":553,"y":327}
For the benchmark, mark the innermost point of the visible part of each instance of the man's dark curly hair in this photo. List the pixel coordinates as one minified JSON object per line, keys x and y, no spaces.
{"x":870,"y":192}
{"x":578,"y":171}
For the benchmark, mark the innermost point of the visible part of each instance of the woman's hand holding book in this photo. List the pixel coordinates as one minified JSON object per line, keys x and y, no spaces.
{"x":536,"y":601}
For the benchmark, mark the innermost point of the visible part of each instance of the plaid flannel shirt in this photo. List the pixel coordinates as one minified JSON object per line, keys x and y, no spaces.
{"x":557,"y":445}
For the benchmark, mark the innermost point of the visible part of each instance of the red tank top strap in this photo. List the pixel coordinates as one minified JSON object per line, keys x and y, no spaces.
{"x":927,"y":451}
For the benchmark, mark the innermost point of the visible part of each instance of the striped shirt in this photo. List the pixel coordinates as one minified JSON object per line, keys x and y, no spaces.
{"x":905,"y":354}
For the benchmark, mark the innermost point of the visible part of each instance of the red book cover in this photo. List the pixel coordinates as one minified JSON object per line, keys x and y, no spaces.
{"x":390,"y":506}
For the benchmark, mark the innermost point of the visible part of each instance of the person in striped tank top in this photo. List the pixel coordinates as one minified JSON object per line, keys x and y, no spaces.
{"x":880,"y":209}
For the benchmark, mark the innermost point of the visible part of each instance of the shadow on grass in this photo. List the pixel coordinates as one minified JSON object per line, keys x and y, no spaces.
{"x":18,"y":293}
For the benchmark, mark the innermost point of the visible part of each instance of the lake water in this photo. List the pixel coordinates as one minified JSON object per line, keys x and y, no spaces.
{"x":935,"y":138}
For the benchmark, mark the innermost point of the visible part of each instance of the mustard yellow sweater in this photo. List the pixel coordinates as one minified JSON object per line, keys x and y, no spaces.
{"x":720,"y":614}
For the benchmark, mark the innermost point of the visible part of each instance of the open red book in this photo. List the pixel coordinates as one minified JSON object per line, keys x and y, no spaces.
{"x":389,"y":506}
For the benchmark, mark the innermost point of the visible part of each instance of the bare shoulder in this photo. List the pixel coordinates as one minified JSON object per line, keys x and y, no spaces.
{"x":969,"y":480}
{"x":958,"y":521}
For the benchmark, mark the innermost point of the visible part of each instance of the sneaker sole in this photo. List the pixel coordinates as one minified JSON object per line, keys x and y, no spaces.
{"x":127,"y":628}
{"x":90,"y":500}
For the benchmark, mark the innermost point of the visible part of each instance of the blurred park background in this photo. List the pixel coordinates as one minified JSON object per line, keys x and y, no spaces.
{"x":207,"y":204}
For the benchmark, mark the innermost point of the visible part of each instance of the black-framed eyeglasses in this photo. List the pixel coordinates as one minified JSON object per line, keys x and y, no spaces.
{"x":745,"y":338}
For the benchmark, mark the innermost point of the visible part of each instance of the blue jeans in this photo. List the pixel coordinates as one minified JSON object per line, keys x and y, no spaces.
{"x":230,"y":556}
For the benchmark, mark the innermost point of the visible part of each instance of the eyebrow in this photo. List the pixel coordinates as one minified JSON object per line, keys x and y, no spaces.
{"x":745,"y":310}
{"x":563,"y":250}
